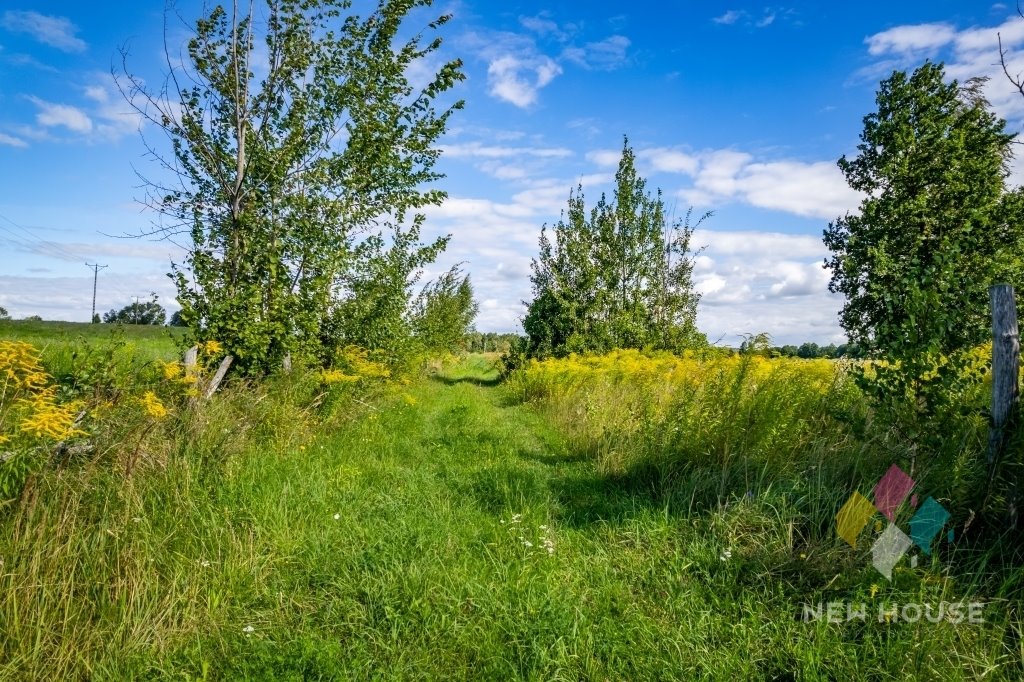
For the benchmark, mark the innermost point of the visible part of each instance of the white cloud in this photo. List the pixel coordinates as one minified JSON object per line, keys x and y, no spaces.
{"x":910,"y":38}
{"x":518,"y":80}
{"x":605,"y":157}
{"x":754,"y":281}
{"x":56,"y":32}
{"x":478,"y":150}
{"x":70,"y":298}
{"x":968,"y":53}
{"x":750,"y":19}
{"x":114,"y":116}
{"x":813,"y":190}
{"x":53,"y":115}
{"x":544,"y":26}
{"x":12,"y":141}
{"x":730,"y":17}
{"x":603,"y":55}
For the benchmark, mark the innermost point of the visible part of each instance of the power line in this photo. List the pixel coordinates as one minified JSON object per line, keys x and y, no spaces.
{"x":54,"y":249}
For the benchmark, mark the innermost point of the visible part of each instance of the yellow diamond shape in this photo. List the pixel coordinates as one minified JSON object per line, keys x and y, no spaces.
{"x":852,"y":518}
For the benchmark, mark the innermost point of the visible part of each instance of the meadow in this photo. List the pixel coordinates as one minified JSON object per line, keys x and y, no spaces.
{"x":626,"y":516}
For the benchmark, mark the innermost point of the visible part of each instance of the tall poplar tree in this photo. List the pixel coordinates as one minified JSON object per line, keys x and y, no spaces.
{"x":298,"y":143}
{"x":616,"y":277}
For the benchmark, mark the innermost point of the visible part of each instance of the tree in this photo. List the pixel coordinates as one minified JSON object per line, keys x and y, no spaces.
{"x":620,"y":277}
{"x":96,"y":318}
{"x":935,"y":228}
{"x":4,"y":315}
{"x":139,"y":312}
{"x":176,"y":320}
{"x":287,"y":181}
{"x":444,"y":312}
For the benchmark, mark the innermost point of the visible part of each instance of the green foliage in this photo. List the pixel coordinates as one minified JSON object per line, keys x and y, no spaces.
{"x":139,"y":312}
{"x":443,"y":313}
{"x":4,"y":314}
{"x":176,"y":320}
{"x":261,"y":545}
{"x":96,"y":318}
{"x":936,"y":228}
{"x":619,"y":277}
{"x":490,"y":342}
{"x":374,"y":311}
{"x":290,"y":180}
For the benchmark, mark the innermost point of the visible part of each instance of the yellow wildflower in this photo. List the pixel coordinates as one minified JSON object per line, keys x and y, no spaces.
{"x":152,"y":405}
{"x":336,"y":376}
{"x":874,"y":589}
{"x":47,"y":419}
{"x":212,"y":347}
{"x":409,"y":400}
{"x":172,"y":370}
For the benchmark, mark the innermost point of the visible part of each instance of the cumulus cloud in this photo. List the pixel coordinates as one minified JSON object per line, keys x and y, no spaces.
{"x":58,"y":32}
{"x":967,"y":53}
{"x":812,"y":190}
{"x":754,"y":281}
{"x":807,"y":189}
{"x":53,"y":115}
{"x":518,"y":80}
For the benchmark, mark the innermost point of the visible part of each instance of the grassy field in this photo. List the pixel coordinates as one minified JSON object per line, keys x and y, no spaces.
{"x":452,"y":530}
{"x":58,"y":340}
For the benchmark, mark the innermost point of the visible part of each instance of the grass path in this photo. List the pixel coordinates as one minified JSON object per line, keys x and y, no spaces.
{"x":450,"y":535}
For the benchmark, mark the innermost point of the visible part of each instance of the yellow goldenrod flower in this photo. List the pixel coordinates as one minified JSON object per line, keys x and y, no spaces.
{"x":212,"y":347}
{"x":336,"y":376}
{"x":152,"y":405}
{"x":172,"y":370}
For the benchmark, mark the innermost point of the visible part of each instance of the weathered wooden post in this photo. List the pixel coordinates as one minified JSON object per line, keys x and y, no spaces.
{"x":211,"y":388}
{"x":1005,"y":370}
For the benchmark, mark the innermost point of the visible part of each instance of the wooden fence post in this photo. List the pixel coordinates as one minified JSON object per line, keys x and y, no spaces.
{"x":1005,"y":371}
{"x":211,"y":388}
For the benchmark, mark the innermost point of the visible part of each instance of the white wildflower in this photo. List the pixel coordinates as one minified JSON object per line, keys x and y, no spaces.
{"x":726,"y":555}
{"x":337,"y":516}
{"x":248,"y":629}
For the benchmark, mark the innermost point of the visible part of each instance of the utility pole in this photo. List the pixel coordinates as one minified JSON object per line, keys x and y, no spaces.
{"x":95,"y":276}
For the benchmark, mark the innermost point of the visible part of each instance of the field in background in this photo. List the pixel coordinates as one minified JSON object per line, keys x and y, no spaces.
{"x":57,"y":339}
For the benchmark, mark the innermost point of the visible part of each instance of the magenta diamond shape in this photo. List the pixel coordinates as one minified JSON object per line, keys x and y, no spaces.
{"x":891,"y":490}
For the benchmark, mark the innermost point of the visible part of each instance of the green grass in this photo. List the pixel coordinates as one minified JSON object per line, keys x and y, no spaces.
{"x":395,"y":547}
{"x":58,"y":339}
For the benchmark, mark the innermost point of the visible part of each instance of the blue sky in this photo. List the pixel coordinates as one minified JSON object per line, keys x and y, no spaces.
{"x":738,"y":108}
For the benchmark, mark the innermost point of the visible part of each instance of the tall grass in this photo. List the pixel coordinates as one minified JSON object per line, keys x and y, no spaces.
{"x":786,"y":441}
{"x":444,"y":529}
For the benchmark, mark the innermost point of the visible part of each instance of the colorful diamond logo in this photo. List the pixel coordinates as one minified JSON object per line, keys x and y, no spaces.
{"x":891,"y":490}
{"x":927,"y":523}
{"x":853,"y":516}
